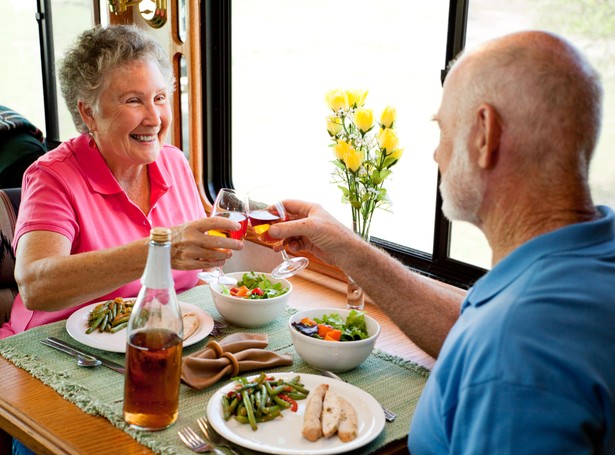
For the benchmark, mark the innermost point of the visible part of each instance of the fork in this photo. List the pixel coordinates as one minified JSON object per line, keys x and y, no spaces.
{"x":194,"y":441}
{"x":214,"y":437}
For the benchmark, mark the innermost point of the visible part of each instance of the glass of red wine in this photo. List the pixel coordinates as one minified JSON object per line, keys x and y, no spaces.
{"x":234,"y":205}
{"x":267,"y":209}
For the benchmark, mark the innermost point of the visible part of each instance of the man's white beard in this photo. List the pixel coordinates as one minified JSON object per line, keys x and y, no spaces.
{"x":462,"y":187}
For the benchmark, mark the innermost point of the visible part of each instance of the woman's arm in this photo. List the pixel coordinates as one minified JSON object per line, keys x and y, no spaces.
{"x":51,"y":279}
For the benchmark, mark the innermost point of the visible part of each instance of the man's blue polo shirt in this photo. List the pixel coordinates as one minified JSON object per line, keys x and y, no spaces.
{"x":529,"y":367}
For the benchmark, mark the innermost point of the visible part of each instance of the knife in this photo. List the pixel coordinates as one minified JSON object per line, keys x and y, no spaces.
{"x":68,"y":347}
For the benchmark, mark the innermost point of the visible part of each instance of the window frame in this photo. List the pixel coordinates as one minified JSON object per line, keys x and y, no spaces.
{"x":217,"y":169}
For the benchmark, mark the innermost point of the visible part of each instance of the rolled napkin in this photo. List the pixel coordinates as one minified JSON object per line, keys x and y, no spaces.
{"x":236,"y":353}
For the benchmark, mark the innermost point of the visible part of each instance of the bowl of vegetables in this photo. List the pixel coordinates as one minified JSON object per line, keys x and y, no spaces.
{"x":333,"y":339}
{"x":257,"y":298}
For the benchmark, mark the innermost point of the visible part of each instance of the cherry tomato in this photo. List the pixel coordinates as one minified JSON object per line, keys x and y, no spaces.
{"x":257,"y":291}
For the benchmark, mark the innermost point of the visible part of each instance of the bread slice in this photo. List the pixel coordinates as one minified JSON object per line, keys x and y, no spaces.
{"x":191,"y":324}
{"x":348,"y":427}
{"x":331,"y":411}
{"x":312,"y":429}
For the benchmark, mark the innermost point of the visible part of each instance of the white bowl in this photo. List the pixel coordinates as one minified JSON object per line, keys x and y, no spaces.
{"x":248,"y":312}
{"x":332,"y":355}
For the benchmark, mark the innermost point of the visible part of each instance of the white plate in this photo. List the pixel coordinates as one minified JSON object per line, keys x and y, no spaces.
{"x":283,"y":435}
{"x":77,"y":324}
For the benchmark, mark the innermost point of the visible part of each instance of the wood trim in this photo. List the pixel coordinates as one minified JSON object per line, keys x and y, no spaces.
{"x":121,"y":18}
{"x":195,"y":90}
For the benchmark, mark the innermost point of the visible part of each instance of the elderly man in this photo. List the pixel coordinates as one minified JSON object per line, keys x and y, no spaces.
{"x":526,"y":360}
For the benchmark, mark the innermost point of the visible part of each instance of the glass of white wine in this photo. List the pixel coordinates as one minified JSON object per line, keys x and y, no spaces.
{"x":231,"y":204}
{"x":267,"y":209}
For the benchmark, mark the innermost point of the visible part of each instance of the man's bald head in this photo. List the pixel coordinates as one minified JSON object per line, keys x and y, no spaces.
{"x":546,"y":93}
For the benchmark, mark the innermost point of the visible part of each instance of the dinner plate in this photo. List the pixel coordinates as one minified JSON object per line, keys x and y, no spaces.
{"x":77,"y":324}
{"x":283,"y":434}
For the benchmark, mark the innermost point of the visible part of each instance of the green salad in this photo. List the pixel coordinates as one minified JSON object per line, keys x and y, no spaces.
{"x":253,"y":286}
{"x":333,"y":328}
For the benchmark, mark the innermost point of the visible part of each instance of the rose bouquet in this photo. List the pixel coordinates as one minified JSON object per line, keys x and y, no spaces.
{"x":364,"y":152}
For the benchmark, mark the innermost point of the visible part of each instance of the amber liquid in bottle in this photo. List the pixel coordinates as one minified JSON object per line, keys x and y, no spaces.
{"x":153,"y":361}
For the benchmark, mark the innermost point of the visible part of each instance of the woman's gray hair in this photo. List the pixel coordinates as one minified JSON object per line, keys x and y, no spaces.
{"x":85,"y":68}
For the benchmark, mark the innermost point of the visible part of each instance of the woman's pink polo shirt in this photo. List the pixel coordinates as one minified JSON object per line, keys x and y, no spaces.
{"x":71,"y":191}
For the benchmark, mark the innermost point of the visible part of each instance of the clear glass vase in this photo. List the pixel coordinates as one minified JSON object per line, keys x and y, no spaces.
{"x":355,"y":296}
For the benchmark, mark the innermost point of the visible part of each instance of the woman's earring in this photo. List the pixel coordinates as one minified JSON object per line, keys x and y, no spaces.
{"x":92,"y":142}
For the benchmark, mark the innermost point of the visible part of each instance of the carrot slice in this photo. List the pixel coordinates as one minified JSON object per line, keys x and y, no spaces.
{"x":333,"y":335}
{"x":323,"y":329}
{"x":242,"y":291}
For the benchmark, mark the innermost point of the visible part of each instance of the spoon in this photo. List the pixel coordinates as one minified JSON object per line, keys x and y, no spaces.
{"x":83,"y":360}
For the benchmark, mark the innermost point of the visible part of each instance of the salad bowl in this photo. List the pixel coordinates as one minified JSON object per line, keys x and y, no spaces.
{"x":336,"y":356}
{"x":263,"y":301}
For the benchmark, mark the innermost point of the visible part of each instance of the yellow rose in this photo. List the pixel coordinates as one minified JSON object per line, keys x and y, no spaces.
{"x":356,"y":98}
{"x":348,"y":155}
{"x":388,"y":140}
{"x":388,"y":117}
{"x":334,"y":125}
{"x":353,"y":159}
{"x":364,"y":119}
{"x":337,"y":99}
{"x":341,"y":149}
{"x":397,"y":153}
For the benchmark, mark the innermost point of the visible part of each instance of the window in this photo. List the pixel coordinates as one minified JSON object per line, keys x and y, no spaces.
{"x":284,"y":63}
{"x":284,"y":56}
{"x":42,"y":102}
{"x":20,"y":47}
{"x":270,"y":118}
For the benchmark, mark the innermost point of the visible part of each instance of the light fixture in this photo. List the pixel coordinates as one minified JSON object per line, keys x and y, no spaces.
{"x":155,"y":17}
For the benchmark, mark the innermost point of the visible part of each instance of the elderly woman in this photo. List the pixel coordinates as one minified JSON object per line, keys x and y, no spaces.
{"x":88,"y":206}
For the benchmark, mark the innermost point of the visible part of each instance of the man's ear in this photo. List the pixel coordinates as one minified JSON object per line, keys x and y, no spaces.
{"x":488,"y":134}
{"x":86,"y":115}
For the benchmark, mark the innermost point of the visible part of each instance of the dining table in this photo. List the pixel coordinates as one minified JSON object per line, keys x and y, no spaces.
{"x":55,"y":407}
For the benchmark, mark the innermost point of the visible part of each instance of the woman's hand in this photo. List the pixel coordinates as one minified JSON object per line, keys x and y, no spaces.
{"x":192,"y":248}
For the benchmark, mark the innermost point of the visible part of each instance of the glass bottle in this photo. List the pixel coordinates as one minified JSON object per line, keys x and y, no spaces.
{"x":154,"y":343}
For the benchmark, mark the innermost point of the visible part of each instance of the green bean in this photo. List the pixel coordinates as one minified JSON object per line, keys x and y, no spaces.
{"x":264,"y":396}
{"x":225,"y":407}
{"x":103,"y":324}
{"x":110,"y":316}
{"x":249,"y":409}
{"x":281,"y":402}
{"x":298,"y":387}
{"x":118,"y":327}
{"x":115,"y":321}
{"x":296,"y":395}
{"x":95,"y":324}
{"x":233,"y":405}
{"x":257,"y":400}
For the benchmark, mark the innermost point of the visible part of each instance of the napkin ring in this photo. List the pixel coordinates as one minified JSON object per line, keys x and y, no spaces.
{"x":219,"y":352}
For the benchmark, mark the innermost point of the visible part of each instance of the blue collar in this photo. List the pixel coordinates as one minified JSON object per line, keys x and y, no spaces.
{"x":573,"y":237}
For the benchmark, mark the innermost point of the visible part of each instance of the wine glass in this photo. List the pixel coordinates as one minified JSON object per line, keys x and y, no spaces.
{"x":267,"y":209}
{"x":234,"y":205}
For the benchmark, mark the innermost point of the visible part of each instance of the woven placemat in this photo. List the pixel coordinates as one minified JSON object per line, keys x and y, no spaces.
{"x":396,"y":383}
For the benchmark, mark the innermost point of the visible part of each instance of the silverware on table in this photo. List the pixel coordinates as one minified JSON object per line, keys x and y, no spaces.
{"x":389,"y":415}
{"x":72,"y":350}
{"x":215,"y":438}
{"x":82,"y":360}
{"x":219,"y":326}
{"x":194,"y":441}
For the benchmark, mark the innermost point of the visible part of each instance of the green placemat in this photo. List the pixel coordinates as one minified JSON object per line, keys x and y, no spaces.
{"x":396,"y":383}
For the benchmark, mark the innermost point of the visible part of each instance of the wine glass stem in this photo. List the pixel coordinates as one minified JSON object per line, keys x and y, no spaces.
{"x":284,"y":255}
